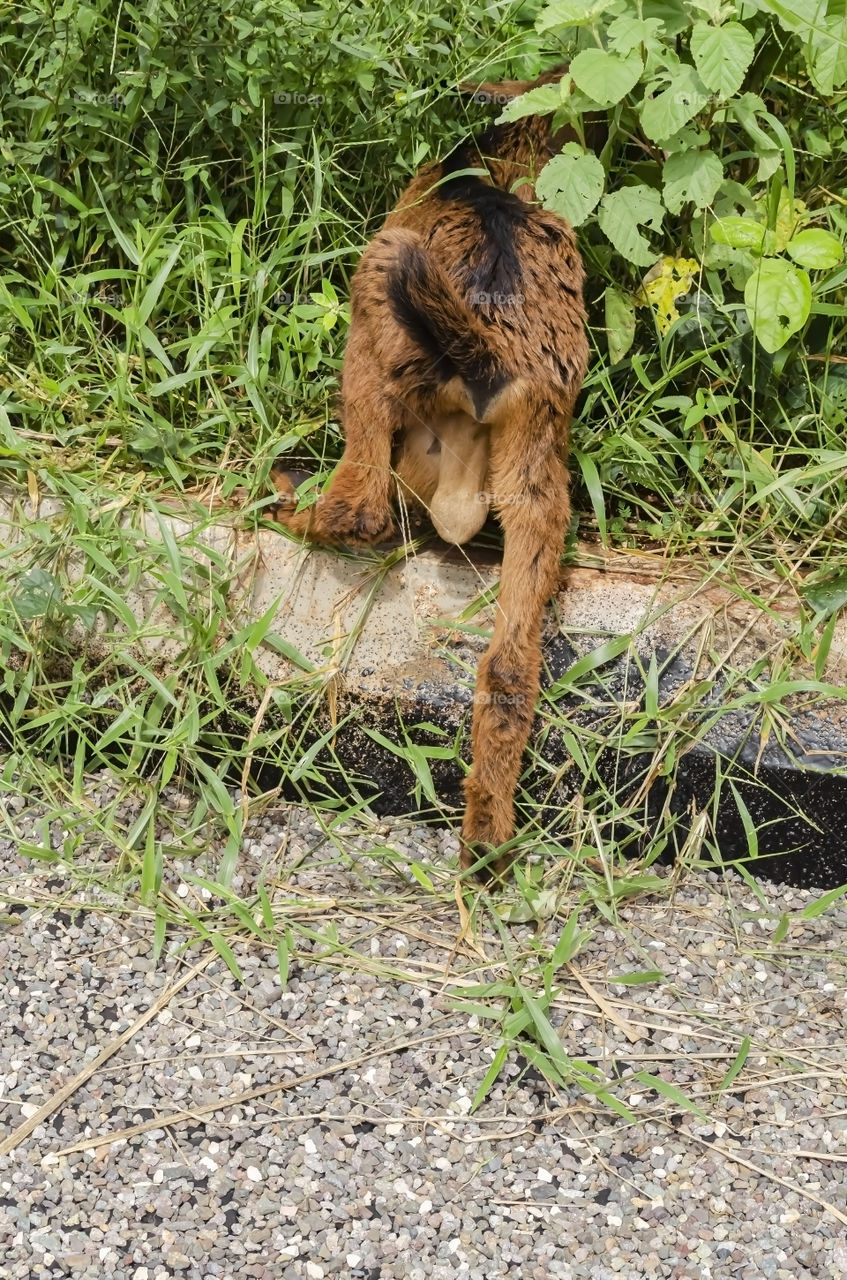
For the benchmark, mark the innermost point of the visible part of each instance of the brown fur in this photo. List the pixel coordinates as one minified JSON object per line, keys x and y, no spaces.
{"x":457,"y":395}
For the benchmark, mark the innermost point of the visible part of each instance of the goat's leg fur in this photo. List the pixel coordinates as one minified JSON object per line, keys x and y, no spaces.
{"x":530,"y":494}
{"x":357,"y":505}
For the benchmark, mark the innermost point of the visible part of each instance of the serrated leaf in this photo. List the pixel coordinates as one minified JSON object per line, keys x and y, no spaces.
{"x":540,"y":102}
{"x":620,"y":323}
{"x":570,"y":13}
{"x":605,"y":77}
{"x":627,"y":33}
{"x":571,"y":183}
{"x":691,"y":176}
{"x":778,"y":298}
{"x":722,"y":55}
{"x":672,"y":14}
{"x":663,"y":114}
{"x":623,"y":212}
{"x":815,"y":249}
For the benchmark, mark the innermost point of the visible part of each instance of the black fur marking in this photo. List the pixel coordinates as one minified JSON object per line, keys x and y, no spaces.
{"x":417,"y":325}
{"x":425,"y":304}
{"x":482,"y":393}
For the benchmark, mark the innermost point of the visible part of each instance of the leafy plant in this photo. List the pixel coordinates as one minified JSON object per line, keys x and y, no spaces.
{"x":697,"y":130}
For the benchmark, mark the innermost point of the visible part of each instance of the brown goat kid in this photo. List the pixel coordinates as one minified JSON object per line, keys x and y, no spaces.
{"x":466,"y":353}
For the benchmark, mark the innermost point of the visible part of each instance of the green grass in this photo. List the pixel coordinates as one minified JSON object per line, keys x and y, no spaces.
{"x":174,"y":274}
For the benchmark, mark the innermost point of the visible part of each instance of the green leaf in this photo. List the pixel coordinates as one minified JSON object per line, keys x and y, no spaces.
{"x":815,"y":249}
{"x":778,"y":299}
{"x":746,"y":110}
{"x":669,"y":1091}
{"x":623,"y":212}
{"x":664,"y":114}
{"x":691,"y":176}
{"x":490,"y":1076}
{"x":641,"y":978}
{"x":823,"y":903}
{"x":570,"y":941}
{"x":627,"y":32}
{"x":606,"y":78}
{"x":827,"y":597}
{"x":827,"y":60}
{"x":571,"y":183}
{"x":570,"y":13}
{"x":722,"y":55}
{"x":537,"y":102}
{"x":739,"y":233}
{"x":620,"y":323}
{"x":735,"y":1067}
{"x":590,"y":662}
{"x":671,"y":13}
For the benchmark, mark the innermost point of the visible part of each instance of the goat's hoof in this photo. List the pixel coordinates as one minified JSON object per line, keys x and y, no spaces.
{"x":482,"y":861}
{"x":349,"y":523}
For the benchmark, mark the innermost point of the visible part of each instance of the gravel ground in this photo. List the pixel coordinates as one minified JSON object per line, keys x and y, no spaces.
{"x":359,"y":1157}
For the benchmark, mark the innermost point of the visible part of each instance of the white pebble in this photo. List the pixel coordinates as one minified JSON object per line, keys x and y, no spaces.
{"x":253,"y":1173}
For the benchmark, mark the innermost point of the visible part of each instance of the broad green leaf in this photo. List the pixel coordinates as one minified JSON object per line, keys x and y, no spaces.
{"x":794,"y":15}
{"x":540,"y":101}
{"x":722,"y":55}
{"x":691,"y":176}
{"x":663,"y":114}
{"x":827,"y":60}
{"x":778,"y":298}
{"x":815,"y":249}
{"x":571,"y":183}
{"x":739,"y":233}
{"x":606,"y":77}
{"x":627,"y":33}
{"x":623,"y":212}
{"x":745,"y":110}
{"x":672,"y":14}
{"x":620,"y":323}
{"x":827,"y":597}
{"x":570,"y":13}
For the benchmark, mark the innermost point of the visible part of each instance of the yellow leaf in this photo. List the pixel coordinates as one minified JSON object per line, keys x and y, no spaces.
{"x":666,"y":282}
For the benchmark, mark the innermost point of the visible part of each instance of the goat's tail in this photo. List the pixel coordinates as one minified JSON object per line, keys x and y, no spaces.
{"x":442,"y":324}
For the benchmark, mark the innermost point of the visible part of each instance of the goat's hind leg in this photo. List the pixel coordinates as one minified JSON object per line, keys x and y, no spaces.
{"x":530,"y":494}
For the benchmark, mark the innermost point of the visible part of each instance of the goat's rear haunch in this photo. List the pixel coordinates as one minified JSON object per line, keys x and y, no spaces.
{"x":467,"y":349}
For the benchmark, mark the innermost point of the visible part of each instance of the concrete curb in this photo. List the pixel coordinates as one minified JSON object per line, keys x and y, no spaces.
{"x":385,"y":643}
